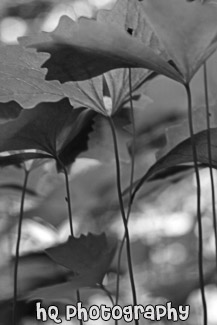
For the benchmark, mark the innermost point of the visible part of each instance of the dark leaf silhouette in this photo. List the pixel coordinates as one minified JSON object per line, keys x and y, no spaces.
{"x":84,"y":49}
{"x":180,"y":132}
{"x":187,"y":30}
{"x":88,"y":257}
{"x":16,"y":159}
{"x":182,"y":154}
{"x":22,"y":79}
{"x":49,"y":127}
{"x":9,"y":111}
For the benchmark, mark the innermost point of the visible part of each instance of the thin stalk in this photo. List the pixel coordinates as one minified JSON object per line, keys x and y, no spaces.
{"x":68,"y":200}
{"x":79,"y":299}
{"x":121,"y":204}
{"x":210,"y":155}
{"x":108,"y":293}
{"x":131,"y":182}
{"x":200,"y":229}
{"x":17,"y":254}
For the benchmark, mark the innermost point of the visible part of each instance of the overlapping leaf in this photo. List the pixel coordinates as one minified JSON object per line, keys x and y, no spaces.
{"x":188,"y":31}
{"x":22,"y":79}
{"x":88,"y":257}
{"x":49,"y":127}
{"x":183,"y":154}
{"x":86,"y":48}
{"x":9,"y":111}
{"x":180,"y":132}
{"x":34,"y":270}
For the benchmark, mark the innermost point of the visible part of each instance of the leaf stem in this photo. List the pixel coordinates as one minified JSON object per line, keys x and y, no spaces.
{"x":206,"y":93}
{"x":118,"y":179}
{"x":199,"y":216}
{"x":131,"y":182}
{"x":68,"y":200}
{"x":19,"y":233}
{"x":108,"y":293}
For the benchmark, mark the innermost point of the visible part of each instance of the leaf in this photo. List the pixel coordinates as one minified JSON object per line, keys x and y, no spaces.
{"x":22,"y":79}
{"x":87,"y":256}
{"x":119,"y":88}
{"x":34,"y":270}
{"x":16,"y":159}
{"x":179,"y":132}
{"x":88,"y":93}
{"x":188,"y":31}
{"x":100,"y":144}
{"x":50,"y":127}
{"x":61,"y":292}
{"x":9,"y":111}
{"x":108,"y":93}
{"x":87,"y":48}
{"x":182,"y":154}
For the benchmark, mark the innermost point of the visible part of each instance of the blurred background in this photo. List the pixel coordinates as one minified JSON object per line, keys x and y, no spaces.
{"x":163,"y":224}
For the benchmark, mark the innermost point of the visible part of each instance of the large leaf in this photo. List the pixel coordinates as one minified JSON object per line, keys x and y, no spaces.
{"x":182,"y":154}
{"x":86,"y":48}
{"x":50,"y":127}
{"x":88,"y":257}
{"x":188,"y":31}
{"x":22,"y":79}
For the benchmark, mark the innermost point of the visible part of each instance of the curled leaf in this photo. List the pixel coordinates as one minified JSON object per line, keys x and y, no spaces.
{"x":182,"y":154}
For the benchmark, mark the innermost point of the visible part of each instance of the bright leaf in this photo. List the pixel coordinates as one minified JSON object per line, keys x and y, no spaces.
{"x":88,"y":257}
{"x":22,"y":79}
{"x":187,"y":30}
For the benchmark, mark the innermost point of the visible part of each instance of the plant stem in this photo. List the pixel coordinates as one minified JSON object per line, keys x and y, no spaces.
{"x":19,"y":232}
{"x":131,"y":182}
{"x":68,"y":200}
{"x":118,"y":177}
{"x":200,"y":229}
{"x":107,"y":292}
{"x":210,"y":155}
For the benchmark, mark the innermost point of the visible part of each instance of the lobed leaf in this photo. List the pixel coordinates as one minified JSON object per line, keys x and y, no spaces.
{"x":187,"y":30}
{"x":87,"y":48}
{"x":22,"y":80}
{"x":87,"y":256}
